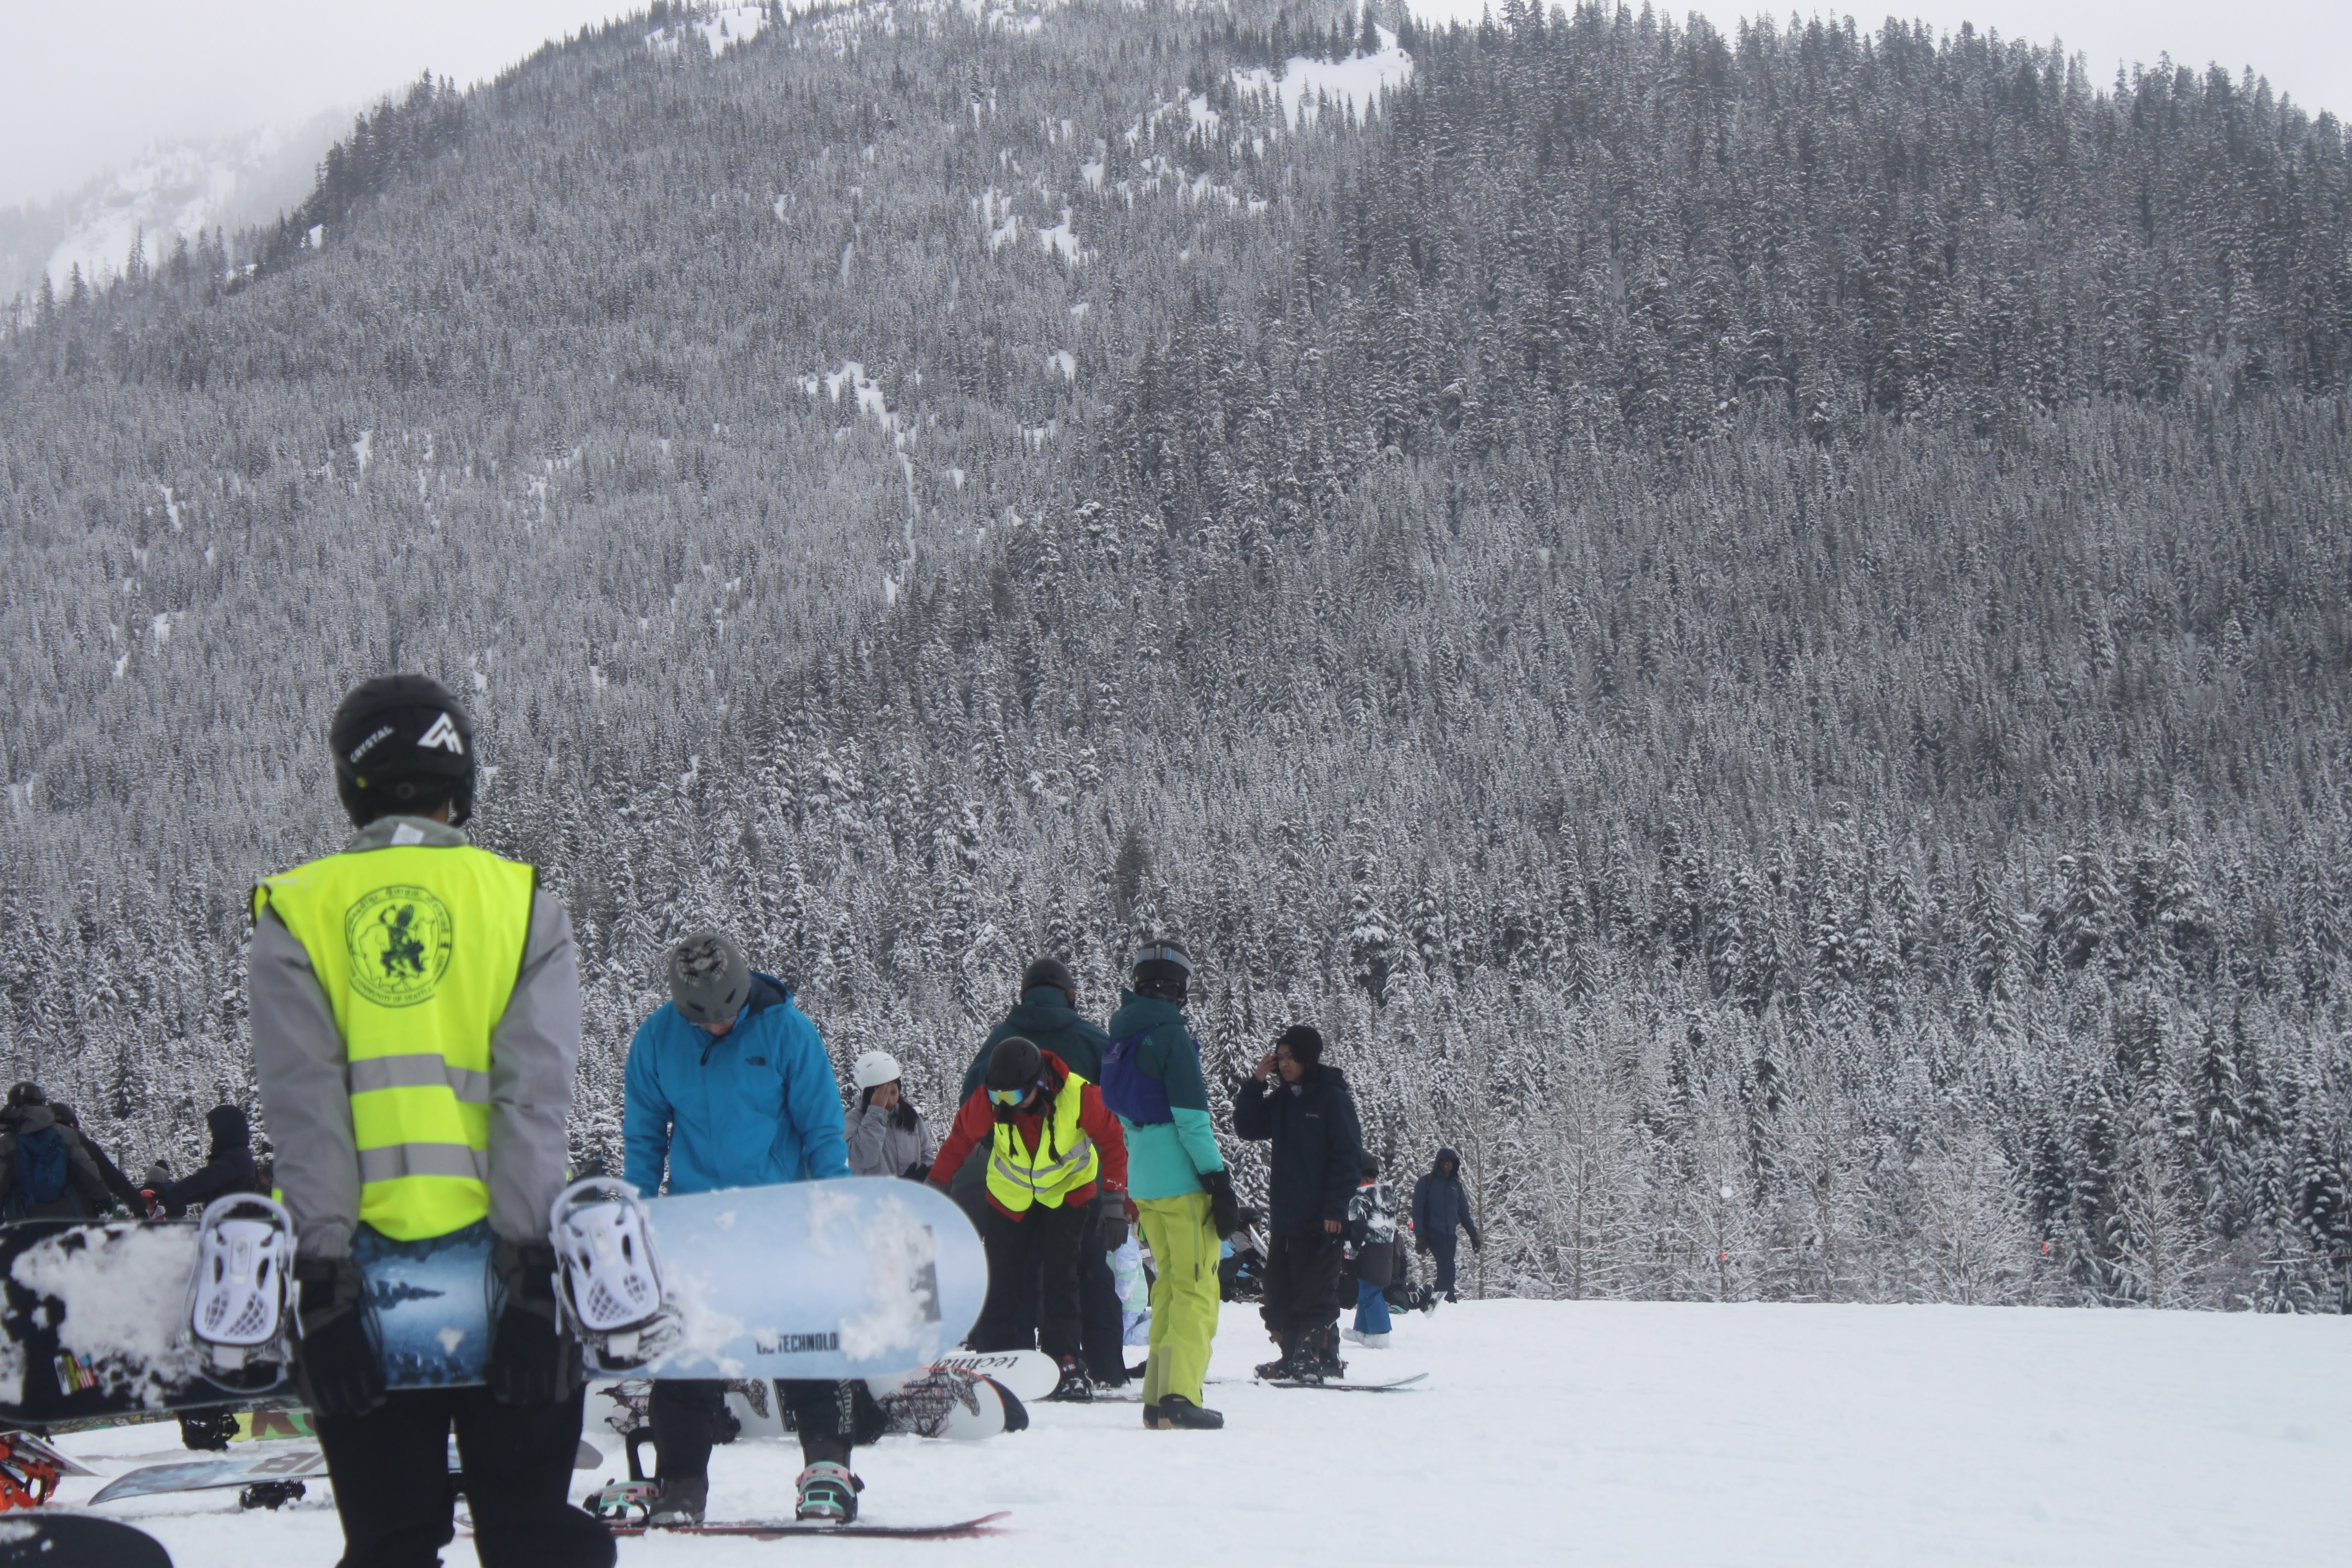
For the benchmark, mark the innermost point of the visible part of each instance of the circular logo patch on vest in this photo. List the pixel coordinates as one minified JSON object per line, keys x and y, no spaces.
{"x":399,"y":940}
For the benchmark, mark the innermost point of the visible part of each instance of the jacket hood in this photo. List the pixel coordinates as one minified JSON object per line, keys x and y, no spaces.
{"x":229,"y":1127}
{"x":1444,"y":1158}
{"x":767,"y":992}
{"x":31,"y":1118}
{"x":1045,"y":999}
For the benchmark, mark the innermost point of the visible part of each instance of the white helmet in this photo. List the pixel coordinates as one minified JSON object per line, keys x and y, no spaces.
{"x":874,"y":1068}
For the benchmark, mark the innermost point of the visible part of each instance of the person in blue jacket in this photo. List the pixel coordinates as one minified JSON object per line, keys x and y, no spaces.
{"x":728,"y":1086}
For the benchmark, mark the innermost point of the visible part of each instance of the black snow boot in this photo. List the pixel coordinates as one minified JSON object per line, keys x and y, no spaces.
{"x":1281,"y":1367}
{"x":1178,"y":1414}
{"x":679,"y":1501}
{"x":1074,"y":1388}
{"x":1322,"y":1354}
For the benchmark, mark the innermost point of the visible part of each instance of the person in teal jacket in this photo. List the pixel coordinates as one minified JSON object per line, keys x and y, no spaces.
{"x":728,"y":1086}
{"x":1178,"y":1191}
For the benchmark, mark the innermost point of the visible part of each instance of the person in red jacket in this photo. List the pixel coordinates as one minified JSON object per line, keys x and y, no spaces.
{"x":1052,"y":1147}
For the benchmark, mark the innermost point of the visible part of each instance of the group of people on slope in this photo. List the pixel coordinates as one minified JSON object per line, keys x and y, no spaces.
{"x":51,"y":1168}
{"x":415,"y":1009}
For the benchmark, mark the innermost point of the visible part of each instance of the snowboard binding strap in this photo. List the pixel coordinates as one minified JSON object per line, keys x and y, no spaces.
{"x":241,"y":1302}
{"x":27,"y":1478}
{"x":610,"y":1290}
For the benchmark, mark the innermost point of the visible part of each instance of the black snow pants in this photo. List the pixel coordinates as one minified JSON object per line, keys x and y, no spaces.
{"x":1302,"y":1286}
{"x":830,"y":1417}
{"x":1441,"y":1247}
{"x":1043,"y":1246}
{"x":394,"y":1492}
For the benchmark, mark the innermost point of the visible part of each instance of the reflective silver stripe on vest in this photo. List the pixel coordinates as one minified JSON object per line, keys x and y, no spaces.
{"x":1043,"y":1179}
{"x":421,"y":1069}
{"x":391,"y":1164}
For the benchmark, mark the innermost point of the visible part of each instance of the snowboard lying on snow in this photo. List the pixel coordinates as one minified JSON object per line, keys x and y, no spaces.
{"x":1389,"y":1386}
{"x":857,"y":1278}
{"x":758,"y":1531}
{"x":269,"y":1462}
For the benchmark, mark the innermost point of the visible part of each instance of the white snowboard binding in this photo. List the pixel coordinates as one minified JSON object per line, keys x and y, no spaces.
{"x":241,"y":1313}
{"x":609,"y":1281}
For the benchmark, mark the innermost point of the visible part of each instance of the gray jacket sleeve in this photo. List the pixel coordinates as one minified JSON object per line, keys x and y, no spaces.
{"x":869,"y":1136}
{"x":534,"y":1052}
{"x":298,"y":1055}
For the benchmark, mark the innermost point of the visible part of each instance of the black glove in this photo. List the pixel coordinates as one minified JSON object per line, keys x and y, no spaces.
{"x":1225,"y":1209}
{"x":903,"y":1117}
{"x":1476,"y":1244}
{"x":340,"y":1361}
{"x":533,"y":1359}
{"x":1112,"y":1218}
{"x":917,"y":1172}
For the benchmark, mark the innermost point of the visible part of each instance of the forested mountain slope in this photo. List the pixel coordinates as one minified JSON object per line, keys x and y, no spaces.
{"x":1758,"y":627}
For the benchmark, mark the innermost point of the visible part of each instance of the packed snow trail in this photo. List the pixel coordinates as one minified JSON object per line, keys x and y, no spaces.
{"x":1601,"y":1433}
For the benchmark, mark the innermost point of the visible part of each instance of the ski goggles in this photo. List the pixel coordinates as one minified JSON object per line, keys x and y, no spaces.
{"x":1010,"y":1097}
{"x":1160,"y":953}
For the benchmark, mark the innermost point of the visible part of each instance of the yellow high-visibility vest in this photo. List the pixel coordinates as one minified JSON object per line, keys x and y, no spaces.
{"x":1065,"y":1159}
{"x":418,"y":948}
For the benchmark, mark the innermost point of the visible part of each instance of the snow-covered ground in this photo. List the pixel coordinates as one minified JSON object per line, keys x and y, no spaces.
{"x":1556,"y":1432}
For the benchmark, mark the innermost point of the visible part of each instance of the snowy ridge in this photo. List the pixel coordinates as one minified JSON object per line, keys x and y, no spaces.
{"x":717,"y":29}
{"x":1306,"y":86}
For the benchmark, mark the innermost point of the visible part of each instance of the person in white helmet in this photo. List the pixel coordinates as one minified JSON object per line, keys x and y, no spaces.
{"x":886,"y":1134}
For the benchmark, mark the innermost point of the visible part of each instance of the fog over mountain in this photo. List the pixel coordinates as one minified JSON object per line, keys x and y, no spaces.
{"x":1754,"y":623}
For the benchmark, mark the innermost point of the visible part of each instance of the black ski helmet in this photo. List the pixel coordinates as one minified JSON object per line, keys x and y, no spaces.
{"x":1016,"y":1063}
{"x":1162,"y":969}
{"x":403,"y":745}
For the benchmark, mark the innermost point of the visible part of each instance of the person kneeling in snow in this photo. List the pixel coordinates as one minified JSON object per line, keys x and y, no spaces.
{"x":1310,"y":1119}
{"x":1371,"y":1254}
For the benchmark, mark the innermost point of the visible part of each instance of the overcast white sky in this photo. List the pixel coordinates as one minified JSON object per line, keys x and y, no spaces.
{"x":84,"y":87}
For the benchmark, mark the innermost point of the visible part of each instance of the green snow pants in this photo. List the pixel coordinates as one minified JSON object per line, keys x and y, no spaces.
{"x":1183,"y":1297}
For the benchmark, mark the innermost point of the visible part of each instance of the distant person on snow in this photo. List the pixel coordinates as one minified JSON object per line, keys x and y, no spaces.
{"x":1310,"y":1118}
{"x":1052,"y":1150}
{"x":728,"y":1086}
{"x":123,"y":1189}
{"x":1176,"y":1180}
{"x":1439,"y":1206}
{"x":46,"y":1171}
{"x":228,"y":1168}
{"x":1371,"y":1255}
{"x":886,"y":1134}
{"x":1048,"y":1016}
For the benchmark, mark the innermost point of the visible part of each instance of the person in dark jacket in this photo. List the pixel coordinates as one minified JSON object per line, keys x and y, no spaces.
{"x":124,"y":1190}
{"x":1439,"y":1206}
{"x":1048,"y":1016}
{"x":1310,"y":1118}
{"x":46,"y":1171}
{"x":228,"y":1167}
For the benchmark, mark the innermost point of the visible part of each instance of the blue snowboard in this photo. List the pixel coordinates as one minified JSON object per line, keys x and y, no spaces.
{"x":854,"y":1278}
{"x":817,"y":1280}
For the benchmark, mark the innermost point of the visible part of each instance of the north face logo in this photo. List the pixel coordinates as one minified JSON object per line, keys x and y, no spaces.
{"x":444,"y":735}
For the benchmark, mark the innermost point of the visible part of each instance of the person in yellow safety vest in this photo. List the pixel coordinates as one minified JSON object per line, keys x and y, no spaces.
{"x":415,"y":1006}
{"x":1052,"y":1147}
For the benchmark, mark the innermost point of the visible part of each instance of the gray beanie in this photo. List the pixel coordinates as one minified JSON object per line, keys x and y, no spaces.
{"x":708,"y":978}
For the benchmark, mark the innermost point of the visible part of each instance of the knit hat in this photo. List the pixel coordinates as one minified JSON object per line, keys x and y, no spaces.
{"x":1304,"y":1042}
{"x":1016,"y":1063}
{"x":708,"y":978}
{"x":1050,"y":971}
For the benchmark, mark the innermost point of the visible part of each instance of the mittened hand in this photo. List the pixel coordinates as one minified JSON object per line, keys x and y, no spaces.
{"x":532,"y":1359}
{"x":340,"y":1364}
{"x":1225,"y":1209}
